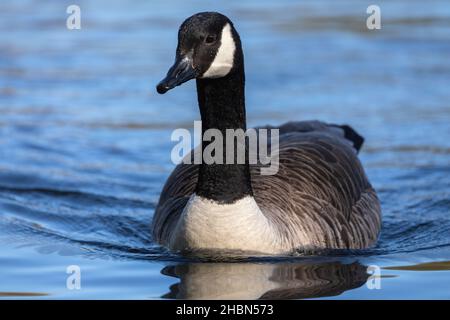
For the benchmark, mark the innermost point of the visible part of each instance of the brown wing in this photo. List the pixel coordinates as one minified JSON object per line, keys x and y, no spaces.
{"x":320,"y":190}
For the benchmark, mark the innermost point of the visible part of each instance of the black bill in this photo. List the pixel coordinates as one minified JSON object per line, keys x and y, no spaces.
{"x":179,"y":73}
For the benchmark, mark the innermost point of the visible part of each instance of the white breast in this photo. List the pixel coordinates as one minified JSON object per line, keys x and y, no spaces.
{"x":242,"y":226}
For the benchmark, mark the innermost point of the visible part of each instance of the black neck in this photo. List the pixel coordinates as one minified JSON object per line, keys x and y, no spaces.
{"x":222,"y":106}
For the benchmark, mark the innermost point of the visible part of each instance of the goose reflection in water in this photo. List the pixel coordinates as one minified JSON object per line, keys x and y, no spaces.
{"x":289,"y":280}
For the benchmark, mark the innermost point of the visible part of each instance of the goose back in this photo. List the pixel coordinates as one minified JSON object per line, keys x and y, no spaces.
{"x":320,"y":192}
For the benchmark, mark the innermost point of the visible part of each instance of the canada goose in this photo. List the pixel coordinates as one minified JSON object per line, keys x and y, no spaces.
{"x":319,"y":199}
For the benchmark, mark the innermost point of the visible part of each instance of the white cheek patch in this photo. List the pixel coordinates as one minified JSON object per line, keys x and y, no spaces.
{"x":223,"y":61}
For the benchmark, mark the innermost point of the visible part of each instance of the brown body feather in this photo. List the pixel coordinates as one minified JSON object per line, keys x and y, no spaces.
{"x":320,"y":191}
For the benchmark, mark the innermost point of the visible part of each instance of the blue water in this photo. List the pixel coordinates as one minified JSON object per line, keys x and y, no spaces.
{"x":85,"y":143}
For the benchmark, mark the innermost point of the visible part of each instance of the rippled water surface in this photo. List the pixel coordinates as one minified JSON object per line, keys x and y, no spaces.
{"x":85,"y":143}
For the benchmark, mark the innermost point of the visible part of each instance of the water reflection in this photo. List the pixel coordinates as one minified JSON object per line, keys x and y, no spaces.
{"x":263,"y":281}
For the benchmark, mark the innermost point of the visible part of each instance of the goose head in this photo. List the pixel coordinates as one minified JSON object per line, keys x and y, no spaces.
{"x":208,"y":48}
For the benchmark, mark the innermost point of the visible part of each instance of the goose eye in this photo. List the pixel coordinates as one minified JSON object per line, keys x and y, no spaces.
{"x":210,"y":39}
